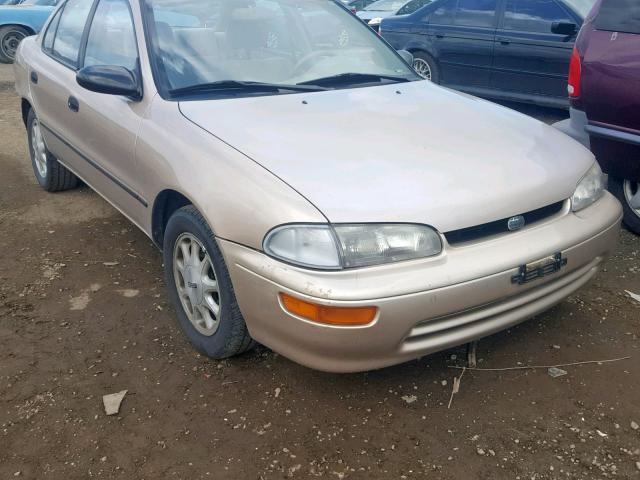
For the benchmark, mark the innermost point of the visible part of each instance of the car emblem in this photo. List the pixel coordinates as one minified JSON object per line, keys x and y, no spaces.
{"x":515,"y":223}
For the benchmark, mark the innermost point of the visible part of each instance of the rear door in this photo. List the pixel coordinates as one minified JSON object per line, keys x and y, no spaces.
{"x":611,"y":86}
{"x":611,"y":66}
{"x":529,"y":59}
{"x":53,"y":75}
{"x":462,"y":33}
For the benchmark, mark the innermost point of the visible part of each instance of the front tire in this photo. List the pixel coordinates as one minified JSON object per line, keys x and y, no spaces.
{"x":624,"y":190}
{"x":426,"y":66}
{"x":200,"y":288}
{"x":51,"y":174}
{"x":10,"y":38}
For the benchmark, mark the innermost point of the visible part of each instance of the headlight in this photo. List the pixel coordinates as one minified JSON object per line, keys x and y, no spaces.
{"x":375,"y":21}
{"x":589,"y":190}
{"x":334,"y":247}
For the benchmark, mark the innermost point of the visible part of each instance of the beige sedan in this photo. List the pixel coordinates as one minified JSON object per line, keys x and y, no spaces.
{"x":308,"y":190}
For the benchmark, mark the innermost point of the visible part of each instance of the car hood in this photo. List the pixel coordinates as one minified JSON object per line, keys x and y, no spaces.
{"x":411,"y":152}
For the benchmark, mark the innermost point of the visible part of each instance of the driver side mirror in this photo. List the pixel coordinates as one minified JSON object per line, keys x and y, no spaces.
{"x":406,"y":56}
{"x":564,"y":28}
{"x":110,"y":80}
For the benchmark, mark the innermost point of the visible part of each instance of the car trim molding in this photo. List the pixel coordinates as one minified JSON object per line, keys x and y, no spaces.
{"x":610,"y":133}
{"x":101,"y":169}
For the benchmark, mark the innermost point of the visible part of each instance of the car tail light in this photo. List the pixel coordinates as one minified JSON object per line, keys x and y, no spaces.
{"x":575,"y":74}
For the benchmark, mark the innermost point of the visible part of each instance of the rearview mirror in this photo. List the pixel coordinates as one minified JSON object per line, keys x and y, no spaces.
{"x":110,"y":80}
{"x":564,"y":28}
{"x":406,"y":56}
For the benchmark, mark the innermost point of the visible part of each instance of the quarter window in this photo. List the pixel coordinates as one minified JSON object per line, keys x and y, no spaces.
{"x":534,"y":15}
{"x":70,"y":28}
{"x":47,"y":43}
{"x":112,"y":39}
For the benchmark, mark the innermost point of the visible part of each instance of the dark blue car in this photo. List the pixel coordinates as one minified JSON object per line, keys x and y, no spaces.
{"x":505,"y":49}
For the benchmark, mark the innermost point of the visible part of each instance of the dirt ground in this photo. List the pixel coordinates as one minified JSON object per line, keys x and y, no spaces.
{"x":83,"y":313}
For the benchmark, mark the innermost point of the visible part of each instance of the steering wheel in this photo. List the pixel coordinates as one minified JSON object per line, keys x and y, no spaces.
{"x":304,"y":63}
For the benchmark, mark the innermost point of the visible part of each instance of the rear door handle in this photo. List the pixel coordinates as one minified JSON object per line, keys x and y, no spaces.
{"x":504,"y":41}
{"x":34,"y":78}
{"x":440,"y":35}
{"x":73,"y":104}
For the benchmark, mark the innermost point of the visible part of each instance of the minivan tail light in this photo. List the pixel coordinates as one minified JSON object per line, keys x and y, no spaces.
{"x":575,"y":74}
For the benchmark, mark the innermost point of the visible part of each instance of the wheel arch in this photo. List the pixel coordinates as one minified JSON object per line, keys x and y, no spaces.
{"x":25,"y":107}
{"x":422,"y":49}
{"x":164,"y":205}
{"x":28,"y":28}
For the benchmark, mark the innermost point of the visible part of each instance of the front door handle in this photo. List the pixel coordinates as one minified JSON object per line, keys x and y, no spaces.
{"x":34,"y":78}
{"x":439,"y":35}
{"x":73,"y":104}
{"x":504,"y":41}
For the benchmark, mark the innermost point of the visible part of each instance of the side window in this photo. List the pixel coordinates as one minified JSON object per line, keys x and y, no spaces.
{"x":47,"y":42}
{"x":66,"y":44}
{"x":412,"y":6}
{"x":443,"y":15}
{"x":476,"y":13}
{"x":534,"y":15}
{"x":112,"y":39}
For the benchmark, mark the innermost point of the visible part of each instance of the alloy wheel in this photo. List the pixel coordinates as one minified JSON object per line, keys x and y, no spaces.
{"x":39,"y":148}
{"x":422,"y":68}
{"x":197,"y":284}
{"x":632,"y":195}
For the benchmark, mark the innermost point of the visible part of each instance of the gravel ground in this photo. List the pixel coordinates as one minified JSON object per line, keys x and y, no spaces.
{"x":83,"y":313}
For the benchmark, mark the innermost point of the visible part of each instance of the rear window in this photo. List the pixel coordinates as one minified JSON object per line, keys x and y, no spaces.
{"x":619,"y":16}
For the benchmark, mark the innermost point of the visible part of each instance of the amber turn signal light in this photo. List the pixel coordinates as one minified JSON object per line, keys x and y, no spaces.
{"x":343,"y":316}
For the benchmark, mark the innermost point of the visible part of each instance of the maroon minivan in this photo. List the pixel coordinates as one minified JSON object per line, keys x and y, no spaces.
{"x":604,"y":89}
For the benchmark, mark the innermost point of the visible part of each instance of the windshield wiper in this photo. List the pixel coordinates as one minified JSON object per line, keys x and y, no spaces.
{"x":353,"y":78}
{"x":241,"y":86}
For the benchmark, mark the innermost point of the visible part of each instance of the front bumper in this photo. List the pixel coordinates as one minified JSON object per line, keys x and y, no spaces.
{"x":575,"y":126}
{"x":424,"y":306}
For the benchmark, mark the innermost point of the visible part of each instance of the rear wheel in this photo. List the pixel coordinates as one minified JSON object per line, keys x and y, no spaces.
{"x":200,"y":287}
{"x":51,"y":174}
{"x":425,"y":66}
{"x":10,"y":38}
{"x":628,"y":193}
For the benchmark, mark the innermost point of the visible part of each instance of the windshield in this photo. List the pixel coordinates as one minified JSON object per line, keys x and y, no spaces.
{"x":583,"y":7}
{"x":283,"y":42}
{"x":385,"y":6}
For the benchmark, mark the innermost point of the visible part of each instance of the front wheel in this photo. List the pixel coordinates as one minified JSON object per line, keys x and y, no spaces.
{"x":425,"y":66}
{"x":628,"y":192}
{"x":10,"y":38}
{"x":200,"y":288}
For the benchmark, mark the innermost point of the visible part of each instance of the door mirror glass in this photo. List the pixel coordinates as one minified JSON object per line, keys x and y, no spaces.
{"x":564,"y":28}
{"x":110,"y":80}
{"x":406,"y":56}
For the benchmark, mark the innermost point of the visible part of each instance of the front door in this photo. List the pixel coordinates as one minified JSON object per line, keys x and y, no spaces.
{"x":106,"y":126}
{"x":529,"y":58}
